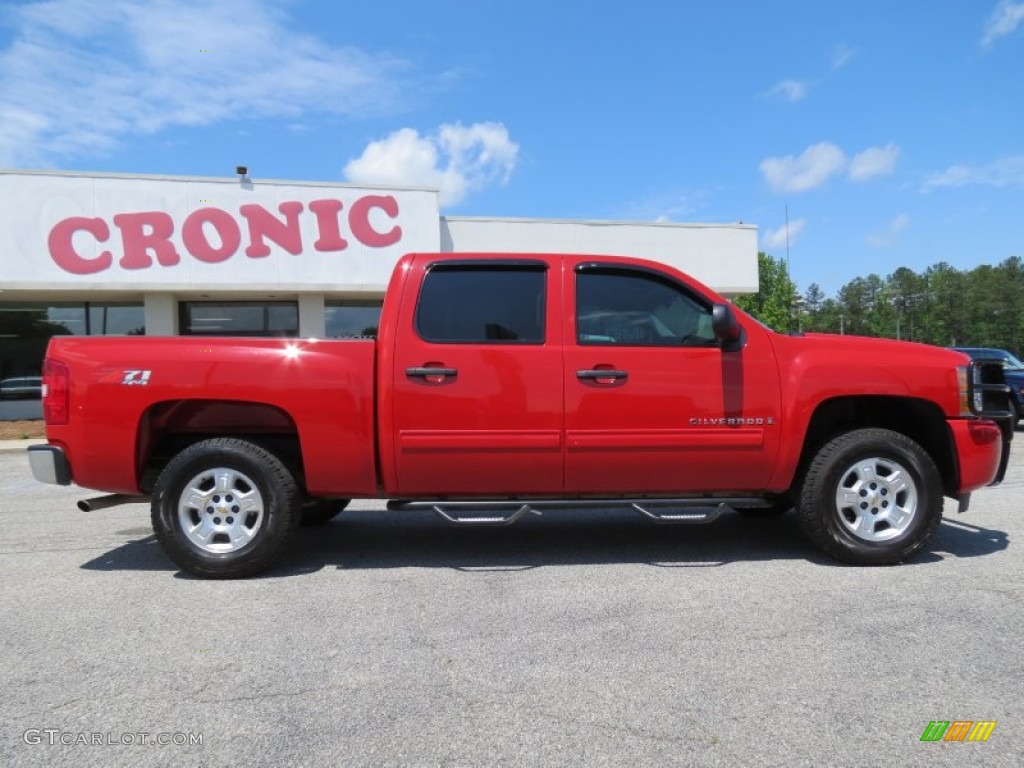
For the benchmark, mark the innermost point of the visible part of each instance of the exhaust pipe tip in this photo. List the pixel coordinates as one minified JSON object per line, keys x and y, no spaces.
{"x":112,"y":500}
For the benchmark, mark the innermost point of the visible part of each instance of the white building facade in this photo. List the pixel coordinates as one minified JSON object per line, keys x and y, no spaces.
{"x":116,"y":254}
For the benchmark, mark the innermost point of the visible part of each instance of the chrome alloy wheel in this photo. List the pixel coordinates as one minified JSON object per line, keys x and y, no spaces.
{"x":220,"y":510}
{"x":876,"y":499}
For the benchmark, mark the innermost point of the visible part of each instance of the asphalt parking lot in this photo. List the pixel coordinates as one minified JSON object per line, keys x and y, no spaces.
{"x":390,"y":639}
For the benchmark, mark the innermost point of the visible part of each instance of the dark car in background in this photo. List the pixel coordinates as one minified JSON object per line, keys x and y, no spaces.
{"x":1013,"y":370}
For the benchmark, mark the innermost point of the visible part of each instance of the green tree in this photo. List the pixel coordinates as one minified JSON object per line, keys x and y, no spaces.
{"x":854,"y":304}
{"x":983,"y":307}
{"x":1010,"y":294}
{"x":814,"y":299}
{"x":830,"y":318}
{"x":946,"y":324}
{"x":775,"y":302}
{"x":908,"y":293}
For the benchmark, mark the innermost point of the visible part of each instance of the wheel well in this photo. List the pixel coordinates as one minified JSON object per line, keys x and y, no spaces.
{"x":920,"y":420}
{"x":168,"y":428}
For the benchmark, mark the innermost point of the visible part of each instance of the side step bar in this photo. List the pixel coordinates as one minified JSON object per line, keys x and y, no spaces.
{"x":682,"y":517}
{"x":516,"y":516}
{"x":703,"y":510}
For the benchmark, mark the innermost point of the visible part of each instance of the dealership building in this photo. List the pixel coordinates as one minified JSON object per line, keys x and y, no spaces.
{"x":95,"y":254}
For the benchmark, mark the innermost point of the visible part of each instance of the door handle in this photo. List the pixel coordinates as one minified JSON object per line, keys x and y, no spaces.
{"x":427,"y":373}
{"x":601,"y":375}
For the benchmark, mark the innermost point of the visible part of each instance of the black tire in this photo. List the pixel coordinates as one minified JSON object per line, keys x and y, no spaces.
{"x":320,"y":511}
{"x":871,"y":497}
{"x":224,"y":508}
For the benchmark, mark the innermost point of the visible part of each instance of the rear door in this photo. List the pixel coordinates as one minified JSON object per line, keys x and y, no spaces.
{"x":653,"y":404}
{"x":477,"y":382}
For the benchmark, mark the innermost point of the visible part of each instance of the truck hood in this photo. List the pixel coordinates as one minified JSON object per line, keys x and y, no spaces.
{"x":821,"y":366}
{"x":882,"y":347}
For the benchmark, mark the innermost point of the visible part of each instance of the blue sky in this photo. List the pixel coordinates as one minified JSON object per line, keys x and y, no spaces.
{"x":894,"y":132}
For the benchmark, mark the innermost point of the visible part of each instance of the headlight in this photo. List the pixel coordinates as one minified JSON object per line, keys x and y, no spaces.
{"x":973,"y":394}
{"x":961,"y":381}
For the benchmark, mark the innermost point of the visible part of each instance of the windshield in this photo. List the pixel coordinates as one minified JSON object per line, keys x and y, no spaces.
{"x":1012,"y":363}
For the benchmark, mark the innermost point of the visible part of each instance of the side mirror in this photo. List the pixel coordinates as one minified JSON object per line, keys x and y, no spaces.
{"x":725,"y":327}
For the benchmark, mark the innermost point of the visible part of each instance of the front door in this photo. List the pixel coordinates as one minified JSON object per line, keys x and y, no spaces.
{"x":477,"y":381}
{"x":653,"y":404}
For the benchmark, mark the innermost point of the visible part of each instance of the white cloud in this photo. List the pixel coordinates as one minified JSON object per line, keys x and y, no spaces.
{"x":900,"y":223}
{"x":873,"y":162}
{"x":1004,"y":172}
{"x":789,"y":90}
{"x":78,"y":76}
{"x":797,"y":90}
{"x":456,"y":160}
{"x":820,"y":162}
{"x":812,"y":168}
{"x":776,"y":238}
{"x":841,"y":55}
{"x":670,"y":205}
{"x":887,"y":237}
{"x":1005,"y":19}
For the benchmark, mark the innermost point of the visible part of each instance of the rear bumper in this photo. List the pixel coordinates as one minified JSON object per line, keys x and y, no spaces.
{"x":983,"y":451}
{"x":49,"y":464}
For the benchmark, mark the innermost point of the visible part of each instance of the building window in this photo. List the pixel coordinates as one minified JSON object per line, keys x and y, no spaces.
{"x":239,"y":318}
{"x":26,"y":328}
{"x":92,"y":319}
{"x":351,"y":319}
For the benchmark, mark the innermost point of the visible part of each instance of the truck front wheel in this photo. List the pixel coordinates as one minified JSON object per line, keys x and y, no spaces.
{"x":224,"y":508}
{"x":871,"y":497}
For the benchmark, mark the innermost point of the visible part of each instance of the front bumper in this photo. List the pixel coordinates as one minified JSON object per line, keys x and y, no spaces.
{"x":982,"y":449}
{"x":49,"y":464}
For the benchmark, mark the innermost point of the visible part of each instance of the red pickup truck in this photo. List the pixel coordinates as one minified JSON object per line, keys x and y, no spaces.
{"x":502,"y":384}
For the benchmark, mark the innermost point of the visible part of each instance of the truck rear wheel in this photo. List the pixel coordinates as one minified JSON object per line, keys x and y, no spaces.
{"x":224,"y":508}
{"x":871,"y":497}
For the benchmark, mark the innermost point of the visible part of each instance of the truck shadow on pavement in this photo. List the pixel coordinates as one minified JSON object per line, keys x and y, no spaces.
{"x":359,"y":539}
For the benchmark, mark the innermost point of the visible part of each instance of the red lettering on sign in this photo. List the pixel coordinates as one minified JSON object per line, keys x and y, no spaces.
{"x":141,"y":232}
{"x":263,"y":224}
{"x":359,"y":221}
{"x":326,"y":212}
{"x":149,"y":234}
{"x":62,"y":250}
{"x":196,"y":242}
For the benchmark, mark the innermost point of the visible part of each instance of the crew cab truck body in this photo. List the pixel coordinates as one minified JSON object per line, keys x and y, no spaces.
{"x":519,"y":382}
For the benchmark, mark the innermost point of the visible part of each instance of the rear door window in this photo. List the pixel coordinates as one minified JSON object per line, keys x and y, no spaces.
{"x":483,"y":303}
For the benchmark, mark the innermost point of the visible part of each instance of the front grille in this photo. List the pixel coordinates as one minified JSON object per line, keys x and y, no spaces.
{"x":988,"y":394}
{"x":989,"y":398}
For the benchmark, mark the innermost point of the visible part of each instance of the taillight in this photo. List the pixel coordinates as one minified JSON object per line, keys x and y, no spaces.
{"x":56,"y":391}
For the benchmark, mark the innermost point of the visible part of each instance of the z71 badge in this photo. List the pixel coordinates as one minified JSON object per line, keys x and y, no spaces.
{"x":137,"y":378}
